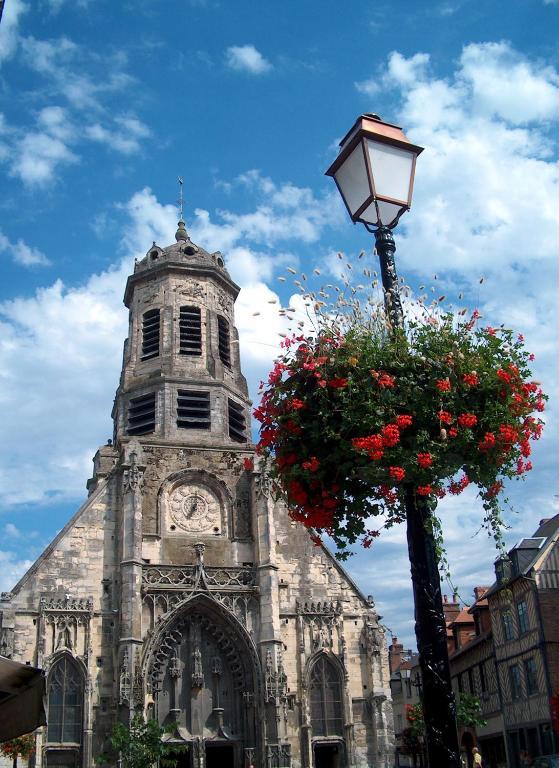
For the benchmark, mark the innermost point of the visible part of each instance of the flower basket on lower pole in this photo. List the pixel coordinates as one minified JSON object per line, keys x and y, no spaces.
{"x":366,"y":419}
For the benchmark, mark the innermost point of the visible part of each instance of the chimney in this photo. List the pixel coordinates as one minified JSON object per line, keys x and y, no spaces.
{"x":395,"y":653}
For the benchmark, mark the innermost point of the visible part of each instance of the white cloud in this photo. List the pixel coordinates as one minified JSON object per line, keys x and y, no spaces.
{"x":37,"y":154}
{"x":124,"y":139}
{"x":23,"y":254}
{"x":9,"y":28}
{"x":11,"y":569}
{"x":245,"y":58}
{"x":504,"y":83}
{"x":69,"y":72}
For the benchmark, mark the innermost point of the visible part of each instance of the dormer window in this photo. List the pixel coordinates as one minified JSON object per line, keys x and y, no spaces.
{"x":150,"y":334}
{"x":223,"y":339}
{"x":190,"y":330}
{"x":141,"y":415}
{"x":237,"y":422}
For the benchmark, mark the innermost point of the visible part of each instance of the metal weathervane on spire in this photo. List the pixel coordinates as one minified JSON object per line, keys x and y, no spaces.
{"x":180,"y":201}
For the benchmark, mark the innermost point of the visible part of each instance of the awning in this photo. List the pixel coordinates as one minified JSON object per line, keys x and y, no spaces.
{"x":22,"y":694}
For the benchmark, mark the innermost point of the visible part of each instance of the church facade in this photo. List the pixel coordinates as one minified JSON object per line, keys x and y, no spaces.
{"x":181,"y":589}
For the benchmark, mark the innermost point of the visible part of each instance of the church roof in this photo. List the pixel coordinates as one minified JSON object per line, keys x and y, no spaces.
{"x":183,"y":254}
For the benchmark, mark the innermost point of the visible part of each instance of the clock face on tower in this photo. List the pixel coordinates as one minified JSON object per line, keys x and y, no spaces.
{"x":194,"y":509}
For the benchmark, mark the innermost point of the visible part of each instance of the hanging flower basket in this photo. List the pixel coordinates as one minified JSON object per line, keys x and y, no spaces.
{"x":351,"y":418}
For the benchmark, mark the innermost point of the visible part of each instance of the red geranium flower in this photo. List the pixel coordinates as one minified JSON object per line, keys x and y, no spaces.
{"x":424,"y":490}
{"x":397,"y":473}
{"x":467,"y":420}
{"x":443,"y":385}
{"x":424,"y":460}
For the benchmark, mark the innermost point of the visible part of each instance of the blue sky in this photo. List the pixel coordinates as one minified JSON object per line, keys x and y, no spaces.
{"x":104,"y":104}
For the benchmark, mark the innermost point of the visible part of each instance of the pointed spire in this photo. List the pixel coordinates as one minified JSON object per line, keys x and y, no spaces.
{"x":181,"y":233}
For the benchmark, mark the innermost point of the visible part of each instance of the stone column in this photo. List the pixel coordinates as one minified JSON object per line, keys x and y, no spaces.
{"x":133,"y":467}
{"x":270,"y":643}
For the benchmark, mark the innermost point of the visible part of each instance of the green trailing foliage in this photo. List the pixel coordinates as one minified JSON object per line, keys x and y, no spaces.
{"x":140,"y":745}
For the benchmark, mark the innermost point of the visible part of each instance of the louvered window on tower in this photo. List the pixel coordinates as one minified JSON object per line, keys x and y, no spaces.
{"x":193,"y":409}
{"x":224,"y":344}
{"x":237,"y":422}
{"x":150,"y":334}
{"x":141,"y":415}
{"x":190,"y":329}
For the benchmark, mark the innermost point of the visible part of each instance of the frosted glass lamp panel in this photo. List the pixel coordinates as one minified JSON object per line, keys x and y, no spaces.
{"x":352,"y":179}
{"x":387,"y":211}
{"x":392,"y":170}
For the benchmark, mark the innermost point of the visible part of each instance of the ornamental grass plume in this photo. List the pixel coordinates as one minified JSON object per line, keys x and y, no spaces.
{"x":353,"y":414}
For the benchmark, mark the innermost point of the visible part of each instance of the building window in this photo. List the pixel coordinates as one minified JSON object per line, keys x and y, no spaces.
{"x":326,"y":699}
{"x":223,"y":339}
{"x":141,"y":415}
{"x":531,"y":676}
{"x":482,"y":680}
{"x":193,"y":409}
{"x":190,"y":331}
{"x":508,"y":625}
{"x":460,"y":684}
{"x":150,"y":334}
{"x":471,"y":685}
{"x":522,"y":610}
{"x":514,"y":679}
{"x":65,"y":703}
{"x":237,"y":422}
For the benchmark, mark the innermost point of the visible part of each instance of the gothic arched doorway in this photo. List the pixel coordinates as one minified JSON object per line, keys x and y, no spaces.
{"x":204,"y":676}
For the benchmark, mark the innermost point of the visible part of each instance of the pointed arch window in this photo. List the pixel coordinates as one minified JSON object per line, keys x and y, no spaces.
{"x":326,"y":699}
{"x":65,"y":702}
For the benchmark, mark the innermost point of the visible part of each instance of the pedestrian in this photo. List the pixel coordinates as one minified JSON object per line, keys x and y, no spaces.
{"x":477,"y":758}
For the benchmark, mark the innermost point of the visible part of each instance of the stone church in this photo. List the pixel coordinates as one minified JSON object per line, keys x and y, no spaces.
{"x":181,"y":589}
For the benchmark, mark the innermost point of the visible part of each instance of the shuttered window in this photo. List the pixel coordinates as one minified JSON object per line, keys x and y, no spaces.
{"x":190,"y":329}
{"x":141,"y":415}
{"x":237,"y":422}
{"x":224,"y":343}
{"x":150,"y":334}
{"x":193,"y":409}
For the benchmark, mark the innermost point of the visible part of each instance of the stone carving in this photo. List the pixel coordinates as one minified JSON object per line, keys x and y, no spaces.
{"x":175,"y":667}
{"x":133,"y":477}
{"x":125,"y":680}
{"x":170,"y":576}
{"x":276,"y":679}
{"x":138,"y":696}
{"x":66,"y":603}
{"x":223,"y":301}
{"x":192,"y":288}
{"x":278,"y":756}
{"x":197,"y":671}
{"x":372,"y":639}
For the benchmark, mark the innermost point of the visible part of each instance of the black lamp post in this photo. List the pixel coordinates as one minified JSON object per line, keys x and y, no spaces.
{"x":374,"y":173}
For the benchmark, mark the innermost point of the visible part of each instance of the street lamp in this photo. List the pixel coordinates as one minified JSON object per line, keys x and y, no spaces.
{"x":374,"y":173}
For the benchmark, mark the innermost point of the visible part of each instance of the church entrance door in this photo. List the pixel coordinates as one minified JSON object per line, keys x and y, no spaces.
{"x":220,"y":756}
{"x":327,"y":756}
